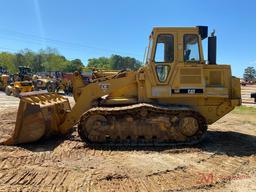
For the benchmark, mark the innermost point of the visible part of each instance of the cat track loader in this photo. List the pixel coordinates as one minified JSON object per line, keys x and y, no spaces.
{"x":170,"y":100}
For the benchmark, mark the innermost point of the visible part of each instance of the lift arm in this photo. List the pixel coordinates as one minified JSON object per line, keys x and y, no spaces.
{"x":90,"y":93}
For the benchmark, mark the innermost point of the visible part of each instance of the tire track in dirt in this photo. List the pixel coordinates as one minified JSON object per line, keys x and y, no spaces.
{"x":218,"y":170}
{"x":32,"y":171}
{"x":45,"y":170}
{"x":40,"y":178}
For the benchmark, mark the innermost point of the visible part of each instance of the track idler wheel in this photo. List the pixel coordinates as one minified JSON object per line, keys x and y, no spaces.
{"x":188,"y":126}
{"x":94,"y":129}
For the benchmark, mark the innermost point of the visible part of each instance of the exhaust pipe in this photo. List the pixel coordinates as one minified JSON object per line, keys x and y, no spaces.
{"x":212,"y":49}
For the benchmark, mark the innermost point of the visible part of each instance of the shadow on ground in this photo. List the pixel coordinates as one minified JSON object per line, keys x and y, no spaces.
{"x":227,"y":143}
{"x":49,"y":144}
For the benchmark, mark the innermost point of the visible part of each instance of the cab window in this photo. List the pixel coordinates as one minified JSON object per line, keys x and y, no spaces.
{"x":149,"y":50}
{"x":164,"y":52}
{"x":191,"y":48}
{"x":162,"y":72}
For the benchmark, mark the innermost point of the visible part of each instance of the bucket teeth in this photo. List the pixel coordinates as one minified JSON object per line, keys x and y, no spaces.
{"x":39,"y":115}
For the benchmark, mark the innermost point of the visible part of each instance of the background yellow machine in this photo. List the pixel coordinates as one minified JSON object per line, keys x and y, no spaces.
{"x":22,"y":82}
{"x":170,"y":100}
{"x":4,"y":78}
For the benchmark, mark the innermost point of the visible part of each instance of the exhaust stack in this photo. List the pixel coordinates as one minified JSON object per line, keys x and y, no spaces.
{"x":212,"y":49}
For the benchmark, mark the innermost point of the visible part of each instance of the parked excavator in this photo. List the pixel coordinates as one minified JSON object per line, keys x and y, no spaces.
{"x":170,"y":100}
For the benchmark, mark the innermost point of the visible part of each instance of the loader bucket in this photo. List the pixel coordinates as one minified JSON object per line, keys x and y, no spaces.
{"x":39,"y":115}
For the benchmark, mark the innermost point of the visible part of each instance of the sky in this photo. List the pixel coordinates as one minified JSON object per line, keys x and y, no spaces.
{"x":85,"y":29}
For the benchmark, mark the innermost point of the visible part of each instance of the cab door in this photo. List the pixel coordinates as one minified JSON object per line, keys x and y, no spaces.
{"x":163,"y":62}
{"x":189,"y":79}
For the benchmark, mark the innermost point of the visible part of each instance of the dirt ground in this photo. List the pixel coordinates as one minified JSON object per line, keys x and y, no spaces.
{"x":224,"y":161}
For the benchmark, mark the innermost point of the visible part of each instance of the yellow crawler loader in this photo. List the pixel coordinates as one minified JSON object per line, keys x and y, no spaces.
{"x":170,"y":100}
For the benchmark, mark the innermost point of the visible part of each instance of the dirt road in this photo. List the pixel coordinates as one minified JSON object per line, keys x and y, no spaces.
{"x":224,"y":161}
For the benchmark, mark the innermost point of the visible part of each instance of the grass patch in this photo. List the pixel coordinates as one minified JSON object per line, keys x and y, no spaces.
{"x":244,"y":110}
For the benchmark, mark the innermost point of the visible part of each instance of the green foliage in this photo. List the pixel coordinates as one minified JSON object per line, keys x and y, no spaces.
{"x":50,"y":60}
{"x":45,"y":60}
{"x":245,"y":110}
{"x":249,"y":74}
{"x":101,"y":62}
{"x":7,"y":61}
{"x":74,"y":65}
{"x":115,"y":62}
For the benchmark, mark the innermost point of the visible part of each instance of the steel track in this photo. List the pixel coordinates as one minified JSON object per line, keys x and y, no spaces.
{"x":135,"y":109}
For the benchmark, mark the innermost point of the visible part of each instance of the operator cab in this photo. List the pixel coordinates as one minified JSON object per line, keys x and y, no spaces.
{"x":24,"y":74}
{"x":170,"y":46}
{"x":24,"y":70}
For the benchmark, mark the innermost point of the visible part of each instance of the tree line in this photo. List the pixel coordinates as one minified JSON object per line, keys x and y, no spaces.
{"x":50,"y":59}
{"x":249,"y":74}
{"x":115,"y":62}
{"x":44,"y":60}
